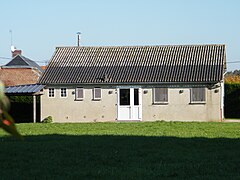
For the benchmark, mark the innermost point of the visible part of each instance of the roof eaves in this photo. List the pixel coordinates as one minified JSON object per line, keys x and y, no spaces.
{"x":135,"y":83}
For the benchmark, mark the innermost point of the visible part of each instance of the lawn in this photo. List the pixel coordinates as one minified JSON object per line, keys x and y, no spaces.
{"x":155,"y":150}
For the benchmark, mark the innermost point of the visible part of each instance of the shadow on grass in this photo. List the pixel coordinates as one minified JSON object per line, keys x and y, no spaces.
{"x":118,"y":157}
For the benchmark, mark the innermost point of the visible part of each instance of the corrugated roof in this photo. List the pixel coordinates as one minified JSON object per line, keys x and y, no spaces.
{"x":24,"y":89}
{"x":136,"y":64}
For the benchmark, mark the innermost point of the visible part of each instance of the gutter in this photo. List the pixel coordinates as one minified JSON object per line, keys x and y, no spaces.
{"x":138,"y":83}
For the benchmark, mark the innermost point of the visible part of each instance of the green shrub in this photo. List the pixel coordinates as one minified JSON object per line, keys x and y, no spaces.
{"x":232,"y":100}
{"x":23,"y":99}
{"x":47,"y":120}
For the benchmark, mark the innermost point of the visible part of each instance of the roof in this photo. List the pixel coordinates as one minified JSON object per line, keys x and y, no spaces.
{"x":20,"y":61}
{"x":19,"y":76}
{"x":43,"y":67}
{"x":136,"y":64}
{"x":24,"y":89}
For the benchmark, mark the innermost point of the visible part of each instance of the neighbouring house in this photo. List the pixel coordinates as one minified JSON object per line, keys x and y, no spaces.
{"x":20,"y":76}
{"x":135,"y":83}
{"x":20,"y":70}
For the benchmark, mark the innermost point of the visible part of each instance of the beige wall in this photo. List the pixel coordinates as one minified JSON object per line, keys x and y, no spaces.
{"x":70,"y":110}
{"x":178,"y":108}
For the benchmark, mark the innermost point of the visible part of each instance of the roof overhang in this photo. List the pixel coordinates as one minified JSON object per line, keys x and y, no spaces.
{"x":210,"y":85}
{"x":28,"y":89}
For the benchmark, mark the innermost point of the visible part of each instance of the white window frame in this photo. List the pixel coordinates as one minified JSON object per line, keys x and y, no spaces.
{"x":192,"y":101}
{"x":76,"y":93}
{"x":154,"y":95}
{"x":94,"y":90}
{"x":61,"y":92}
{"x":53,"y":92}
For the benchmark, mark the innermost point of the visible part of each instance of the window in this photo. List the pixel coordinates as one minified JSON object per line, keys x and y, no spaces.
{"x":198,"y":95}
{"x":63,"y":92}
{"x":125,"y":97}
{"x":136,"y":97}
{"x":97,"y":94}
{"x":79,"y":93}
{"x":160,"y":95}
{"x":51,"y":92}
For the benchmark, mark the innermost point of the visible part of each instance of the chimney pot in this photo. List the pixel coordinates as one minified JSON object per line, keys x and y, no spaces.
{"x":16,"y":52}
{"x":78,"y":38}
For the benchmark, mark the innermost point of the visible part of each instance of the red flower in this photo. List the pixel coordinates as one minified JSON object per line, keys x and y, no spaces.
{"x":6,"y":122}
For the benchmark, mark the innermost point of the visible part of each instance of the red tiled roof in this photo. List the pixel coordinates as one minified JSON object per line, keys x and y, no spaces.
{"x":43,"y":67}
{"x":18,"y":76}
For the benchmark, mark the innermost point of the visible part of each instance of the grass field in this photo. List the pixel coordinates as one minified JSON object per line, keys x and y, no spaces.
{"x":157,"y":150}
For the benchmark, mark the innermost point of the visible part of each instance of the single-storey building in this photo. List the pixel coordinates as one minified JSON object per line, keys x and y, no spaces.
{"x":135,"y":83}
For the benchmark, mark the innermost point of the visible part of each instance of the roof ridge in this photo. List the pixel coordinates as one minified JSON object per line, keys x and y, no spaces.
{"x":175,"y":45}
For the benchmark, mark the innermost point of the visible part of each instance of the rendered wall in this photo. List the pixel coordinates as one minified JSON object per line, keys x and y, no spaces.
{"x":179,"y":107}
{"x":88,"y":110}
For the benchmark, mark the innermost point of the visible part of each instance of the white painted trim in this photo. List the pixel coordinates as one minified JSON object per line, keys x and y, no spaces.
{"x":140,"y":103}
{"x":54,"y":92}
{"x":160,"y":102}
{"x":198,"y":102}
{"x":131,"y":103}
{"x":222,"y":90}
{"x":117,"y":104}
{"x":34,"y":109}
{"x":94,"y":98}
{"x":60,"y":93}
{"x":79,"y":99}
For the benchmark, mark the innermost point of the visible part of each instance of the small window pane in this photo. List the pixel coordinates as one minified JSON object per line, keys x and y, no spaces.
{"x":160,"y":95}
{"x":51,"y":92}
{"x":63,"y":92}
{"x":79,"y":93}
{"x":198,"y":95}
{"x":97,"y":93}
{"x":136,"y":97}
{"x":124,"y":96}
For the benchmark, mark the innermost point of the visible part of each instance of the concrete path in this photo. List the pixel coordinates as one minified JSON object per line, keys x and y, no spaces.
{"x":232,"y":120}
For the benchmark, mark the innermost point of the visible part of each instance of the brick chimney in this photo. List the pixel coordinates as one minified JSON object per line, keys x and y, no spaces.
{"x":16,"y":52}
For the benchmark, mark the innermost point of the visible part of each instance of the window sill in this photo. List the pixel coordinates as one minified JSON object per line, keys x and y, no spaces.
{"x":96,"y":99}
{"x":78,"y":99}
{"x":160,"y":103}
{"x":193,"y":103}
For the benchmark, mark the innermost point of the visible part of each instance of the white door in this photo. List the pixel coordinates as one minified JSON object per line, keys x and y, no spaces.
{"x":129,"y":105}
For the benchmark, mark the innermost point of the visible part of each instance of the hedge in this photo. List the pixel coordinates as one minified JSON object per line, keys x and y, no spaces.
{"x":232,"y":100}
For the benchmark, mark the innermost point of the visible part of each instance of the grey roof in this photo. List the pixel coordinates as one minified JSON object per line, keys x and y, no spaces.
{"x":22,"y":62}
{"x":24,"y":89}
{"x":136,"y":64}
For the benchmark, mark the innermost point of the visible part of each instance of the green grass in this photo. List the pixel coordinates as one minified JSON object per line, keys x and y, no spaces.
{"x":157,"y":150}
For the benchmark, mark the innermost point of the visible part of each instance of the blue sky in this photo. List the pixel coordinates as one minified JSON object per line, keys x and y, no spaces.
{"x":41,"y":25}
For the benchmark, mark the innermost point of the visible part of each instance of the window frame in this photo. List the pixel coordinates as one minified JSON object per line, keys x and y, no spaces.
{"x":121,"y":100}
{"x":154,"y":96}
{"x":192,"y":101}
{"x":94,"y":90}
{"x":65,"y":92}
{"x":76,"y":92}
{"x":53,"y":92}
